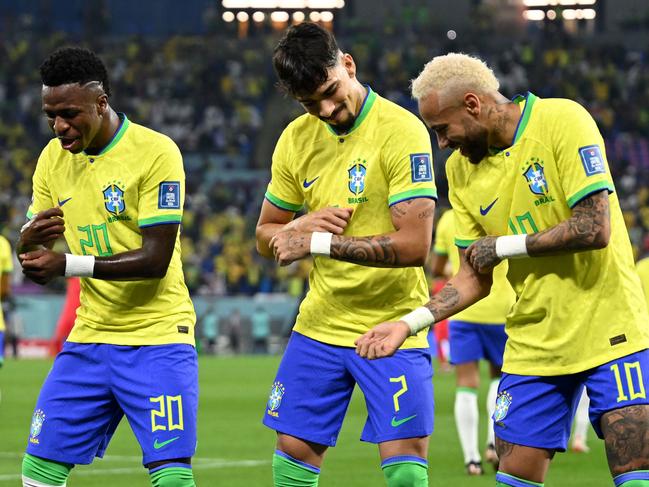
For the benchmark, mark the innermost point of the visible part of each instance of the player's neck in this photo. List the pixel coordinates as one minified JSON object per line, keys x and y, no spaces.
{"x":360,"y":93}
{"x":504,"y":120}
{"x":106,"y":133}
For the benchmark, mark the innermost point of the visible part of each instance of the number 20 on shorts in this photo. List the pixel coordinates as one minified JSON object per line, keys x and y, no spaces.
{"x":169,"y":413}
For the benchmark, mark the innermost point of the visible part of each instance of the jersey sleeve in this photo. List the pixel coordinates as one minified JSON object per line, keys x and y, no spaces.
{"x":162,"y":190}
{"x":41,"y":196}
{"x":580,"y":154}
{"x":408,"y":163}
{"x":467,"y":229}
{"x":6,"y":259}
{"x":283,"y":190}
{"x":444,"y":234}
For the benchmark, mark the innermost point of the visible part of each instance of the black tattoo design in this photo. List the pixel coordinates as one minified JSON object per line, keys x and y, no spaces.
{"x":444,"y":301}
{"x":484,"y":253}
{"x":296,"y":241}
{"x":426,"y":214}
{"x":587,"y":229}
{"x":379,"y":250}
{"x":626,"y":436}
{"x":503,"y":448}
{"x":397,"y":211}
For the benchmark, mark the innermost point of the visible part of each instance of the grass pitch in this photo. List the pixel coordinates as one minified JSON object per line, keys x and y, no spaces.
{"x":235,"y":450}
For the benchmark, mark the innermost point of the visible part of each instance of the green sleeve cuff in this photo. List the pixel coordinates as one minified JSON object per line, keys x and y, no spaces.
{"x":464,"y":243}
{"x":588,"y":190}
{"x":281,"y":204}
{"x":159,"y":220}
{"x":413,"y":193}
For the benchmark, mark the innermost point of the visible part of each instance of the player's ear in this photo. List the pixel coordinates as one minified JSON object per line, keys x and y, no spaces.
{"x":472,"y":104}
{"x":102,"y":104}
{"x":350,"y":66}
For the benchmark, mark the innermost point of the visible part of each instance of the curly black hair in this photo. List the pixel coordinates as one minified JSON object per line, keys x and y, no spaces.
{"x":303,"y":56}
{"x":74,"y":65}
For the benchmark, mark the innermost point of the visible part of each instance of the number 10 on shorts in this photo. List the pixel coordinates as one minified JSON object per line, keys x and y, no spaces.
{"x":169,"y":413}
{"x":629,"y":367}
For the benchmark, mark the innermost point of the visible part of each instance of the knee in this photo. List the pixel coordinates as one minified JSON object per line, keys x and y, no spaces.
{"x":410,"y":472}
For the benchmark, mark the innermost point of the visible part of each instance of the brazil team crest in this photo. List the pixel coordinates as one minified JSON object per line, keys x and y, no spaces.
{"x":276,"y":394}
{"x":536,"y":178}
{"x":37,"y":424}
{"x":114,"y":199}
{"x":357,"y":175}
{"x":503,"y":401}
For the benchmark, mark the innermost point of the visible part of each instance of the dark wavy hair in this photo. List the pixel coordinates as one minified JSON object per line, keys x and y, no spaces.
{"x":302,"y":57}
{"x":74,"y":65}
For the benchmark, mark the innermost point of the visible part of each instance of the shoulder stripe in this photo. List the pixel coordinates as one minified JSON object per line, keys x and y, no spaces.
{"x":159,"y":220}
{"x":281,"y":204}
{"x":413,"y":193}
{"x":588,"y":190}
{"x":464,"y":243}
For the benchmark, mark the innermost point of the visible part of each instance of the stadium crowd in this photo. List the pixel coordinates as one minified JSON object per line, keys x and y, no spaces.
{"x":211,"y":95}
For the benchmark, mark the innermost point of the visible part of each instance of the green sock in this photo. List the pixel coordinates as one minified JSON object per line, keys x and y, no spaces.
{"x":506,"y":480}
{"x":289,"y":472}
{"x":405,"y":471}
{"x":173,"y":477}
{"x":636,"y":478}
{"x":45,"y":471}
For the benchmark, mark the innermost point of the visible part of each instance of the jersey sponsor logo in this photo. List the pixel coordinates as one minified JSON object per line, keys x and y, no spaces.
{"x":157,"y":445}
{"x":484,"y":211}
{"x":62,"y":202}
{"x":169,"y":195}
{"x":357,"y":175}
{"x":275,"y":398}
{"x":306,"y":184}
{"x":114,"y":199}
{"x":591,"y":158}
{"x":37,"y":426}
{"x":503,"y":401}
{"x":420,"y":170}
{"x":398,"y":422}
{"x":536,"y":177}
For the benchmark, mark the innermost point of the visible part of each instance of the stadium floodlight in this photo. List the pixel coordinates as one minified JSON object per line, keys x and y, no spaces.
{"x":283,"y":4}
{"x":326,"y":16}
{"x":279,"y":16}
{"x":298,"y":16}
{"x":551,"y":14}
{"x":228,"y":16}
{"x":322,"y":4}
{"x":258,"y":16}
{"x":242,"y":16}
{"x":554,"y":3}
{"x":314,"y":16}
{"x":535,"y":15}
{"x":235,"y":3}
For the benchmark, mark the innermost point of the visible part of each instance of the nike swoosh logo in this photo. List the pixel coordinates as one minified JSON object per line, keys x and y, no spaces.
{"x":398,"y":422}
{"x":306,"y":183}
{"x":62,"y":202}
{"x":484,"y":211}
{"x":157,"y":445}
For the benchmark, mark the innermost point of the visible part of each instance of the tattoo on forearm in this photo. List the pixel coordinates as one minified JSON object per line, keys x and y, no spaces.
{"x":426,"y":214}
{"x":582,"y":231}
{"x":444,"y":301}
{"x":400,"y":209}
{"x":626,"y":436}
{"x":362,"y":250}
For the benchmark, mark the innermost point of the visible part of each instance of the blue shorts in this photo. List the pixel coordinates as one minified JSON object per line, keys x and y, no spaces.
{"x":91,"y":386}
{"x":471,"y":342}
{"x":314,"y":385}
{"x":538,"y":411}
{"x":2,"y":343}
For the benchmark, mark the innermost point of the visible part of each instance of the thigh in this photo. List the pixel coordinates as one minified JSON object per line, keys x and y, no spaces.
{"x":494,"y":339}
{"x":536,"y":411}
{"x":311,"y":391}
{"x":157,"y":387}
{"x":76,"y":412}
{"x":398,"y":393}
{"x":465,"y":342}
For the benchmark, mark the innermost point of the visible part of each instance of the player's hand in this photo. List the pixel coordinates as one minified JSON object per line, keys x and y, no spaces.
{"x":289,"y":246}
{"x":383,"y":340}
{"x":330,"y":219}
{"x":482,"y":255}
{"x":41,"y":266}
{"x":45,"y":226}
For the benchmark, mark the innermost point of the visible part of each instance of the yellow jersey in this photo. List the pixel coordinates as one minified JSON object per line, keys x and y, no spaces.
{"x":136,"y":181}
{"x":385,"y":158}
{"x":573,"y":311}
{"x":6,"y":267}
{"x":642,"y":267}
{"x":490,"y":310}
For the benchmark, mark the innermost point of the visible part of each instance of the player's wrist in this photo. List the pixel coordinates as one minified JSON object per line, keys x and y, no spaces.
{"x":321,"y":243}
{"x":418,"y":319}
{"x":79,"y":265}
{"x":512,"y":246}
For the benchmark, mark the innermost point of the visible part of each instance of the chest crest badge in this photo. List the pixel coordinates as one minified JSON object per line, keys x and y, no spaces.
{"x":536,"y":177}
{"x":357,"y":175}
{"x":114,"y":198}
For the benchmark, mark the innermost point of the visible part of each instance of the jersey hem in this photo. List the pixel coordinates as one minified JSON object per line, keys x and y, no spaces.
{"x":410,"y":343}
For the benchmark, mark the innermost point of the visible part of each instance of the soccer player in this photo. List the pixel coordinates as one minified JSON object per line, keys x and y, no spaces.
{"x":580,"y":317}
{"x":362,"y":165}
{"x":474,"y":334}
{"x":6,"y":268}
{"x":114,"y":190}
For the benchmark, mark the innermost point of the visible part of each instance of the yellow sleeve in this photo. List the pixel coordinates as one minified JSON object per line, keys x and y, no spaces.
{"x":6,"y":259}
{"x":580,"y":154}
{"x":467,"y":229}
{"x":162,"y":191}
{"x":444,"y":234}
{"x":408,"y":162}
{"x":41,"y":197}
{"x":284,"y":190}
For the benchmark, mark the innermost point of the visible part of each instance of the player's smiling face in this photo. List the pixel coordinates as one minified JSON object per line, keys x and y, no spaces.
{"x":456,"y":124}
{"x":75,"y":113}
{"x":335,"y":101}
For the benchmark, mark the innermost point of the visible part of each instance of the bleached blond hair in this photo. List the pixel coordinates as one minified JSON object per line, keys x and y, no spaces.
{"x":452,"y":74}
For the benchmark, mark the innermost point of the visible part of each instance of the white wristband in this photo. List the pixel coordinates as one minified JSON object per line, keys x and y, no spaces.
{"x":418,"y":319}
{"x":511,"y":246}
{"x":321,"y":243}
{"x":79,"y":265}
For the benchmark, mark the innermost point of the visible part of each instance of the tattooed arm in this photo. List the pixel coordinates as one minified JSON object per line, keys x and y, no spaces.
{"x":461,"y":291}
{"x":589,"y":228}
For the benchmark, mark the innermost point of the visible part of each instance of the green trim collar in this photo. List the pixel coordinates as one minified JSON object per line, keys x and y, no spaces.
{"x":125,"y":122}
{"x":370,"y":98}
{"x":530,"y":99}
